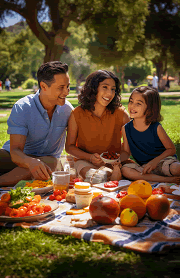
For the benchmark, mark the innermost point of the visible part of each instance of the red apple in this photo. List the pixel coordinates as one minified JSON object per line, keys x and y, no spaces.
{"x":104,"y":210}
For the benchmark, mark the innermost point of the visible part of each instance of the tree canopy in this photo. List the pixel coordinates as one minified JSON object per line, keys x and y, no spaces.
{"x":127,"y":16}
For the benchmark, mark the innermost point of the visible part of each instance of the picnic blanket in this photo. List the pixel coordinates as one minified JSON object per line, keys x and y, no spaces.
{"x":148,"y":236}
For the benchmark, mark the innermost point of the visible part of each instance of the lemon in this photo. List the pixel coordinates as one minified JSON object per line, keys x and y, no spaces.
{"x":128,"y":217}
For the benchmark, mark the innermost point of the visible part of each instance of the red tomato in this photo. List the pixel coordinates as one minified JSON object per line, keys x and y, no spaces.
{"x":110,"y":184}
{"x":77,"y":180}
{"x":29,"y":198}
{"x":6,"y":197}
{"x":8,"y":211}
{"x":30,"y":213}
{"x":3,"y":205}
{"x":37,"y":198}
{"x":39,"y":209}
{"x":116,"y":182}
{"x":157,"y":191}
{"x":22,"y":212}
{"x":14,"y":213}
{"x":57,"y":192}
{"x":121,"y":194}
{"x":52,"y":197}
{"x":47,"y":208}
{"x":58,"y":197}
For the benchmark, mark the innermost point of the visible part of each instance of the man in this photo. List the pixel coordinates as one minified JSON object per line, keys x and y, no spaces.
{"x":37,"y":128}
{"x":155,"y":81}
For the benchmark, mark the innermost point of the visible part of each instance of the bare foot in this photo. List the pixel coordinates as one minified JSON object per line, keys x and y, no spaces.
{"x":176,"y":179}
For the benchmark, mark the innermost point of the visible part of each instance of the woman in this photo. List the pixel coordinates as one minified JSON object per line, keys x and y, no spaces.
{"x":95,"y":126}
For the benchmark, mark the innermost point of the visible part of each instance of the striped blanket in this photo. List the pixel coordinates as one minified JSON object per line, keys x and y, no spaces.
{"x":148,"y":236}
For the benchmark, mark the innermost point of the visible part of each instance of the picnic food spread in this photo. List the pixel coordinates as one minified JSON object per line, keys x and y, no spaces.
{"x":134,"y":226}
{"x":22,"y":202}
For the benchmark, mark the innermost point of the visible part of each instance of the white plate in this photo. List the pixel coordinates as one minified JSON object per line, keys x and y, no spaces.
{"x":54,"y":205}
{"x":36,"y":190}
{"x":175,"y":187}
{"x":122,"y":184}
{"x":110,"y":161}
{"x":176,"y":192}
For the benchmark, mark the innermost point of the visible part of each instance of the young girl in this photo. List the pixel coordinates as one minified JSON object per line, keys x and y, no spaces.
{"x":95,"y":125}
{"x":147,"y":141}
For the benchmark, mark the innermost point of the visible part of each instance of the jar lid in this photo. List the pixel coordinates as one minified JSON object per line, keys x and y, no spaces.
{"x":82,"y":185}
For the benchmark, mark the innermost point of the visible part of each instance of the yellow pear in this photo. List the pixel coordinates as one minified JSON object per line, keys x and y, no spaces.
{"x":128,"y":217}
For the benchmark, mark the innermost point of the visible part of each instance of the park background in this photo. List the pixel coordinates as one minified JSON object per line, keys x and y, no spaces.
{"x":132,"y":38}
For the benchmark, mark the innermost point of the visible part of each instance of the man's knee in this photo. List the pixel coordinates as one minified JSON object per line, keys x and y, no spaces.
{"x":6,"y":163}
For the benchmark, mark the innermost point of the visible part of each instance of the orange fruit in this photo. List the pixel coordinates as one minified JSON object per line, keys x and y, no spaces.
{"x":135,"y":203}
{"x":128,"y":217}
{"x":158,"y":207}
{"x":141,"y":188}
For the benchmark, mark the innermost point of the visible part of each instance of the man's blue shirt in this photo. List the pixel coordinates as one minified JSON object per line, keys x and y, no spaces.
{"x":44,"y":137}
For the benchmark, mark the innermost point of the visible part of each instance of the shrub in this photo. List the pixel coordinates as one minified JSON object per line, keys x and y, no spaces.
{"x":29,"y":83}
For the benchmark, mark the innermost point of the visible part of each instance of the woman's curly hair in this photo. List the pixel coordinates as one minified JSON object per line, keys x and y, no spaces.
{"x":88,"y":93}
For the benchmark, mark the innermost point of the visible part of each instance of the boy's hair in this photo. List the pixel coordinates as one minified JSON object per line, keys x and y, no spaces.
{"x":153,"y":102}
{"x":87,"y":96}
{"x":47,"y":71}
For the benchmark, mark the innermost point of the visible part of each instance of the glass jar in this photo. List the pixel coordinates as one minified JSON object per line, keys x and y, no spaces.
{"x":67,"y":162}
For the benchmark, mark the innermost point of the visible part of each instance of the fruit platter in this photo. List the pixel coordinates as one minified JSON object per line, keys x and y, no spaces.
{"x":22,"y":204}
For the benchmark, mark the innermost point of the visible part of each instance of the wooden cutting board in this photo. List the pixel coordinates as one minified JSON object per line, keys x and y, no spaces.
{"x":169,"y":191}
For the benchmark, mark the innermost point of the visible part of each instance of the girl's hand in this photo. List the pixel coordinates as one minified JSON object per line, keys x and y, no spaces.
{"x":149,"y":167}
{"x":96,"y":160}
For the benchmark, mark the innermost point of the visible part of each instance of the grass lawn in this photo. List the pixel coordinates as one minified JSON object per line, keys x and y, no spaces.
{"x":33,"y":253}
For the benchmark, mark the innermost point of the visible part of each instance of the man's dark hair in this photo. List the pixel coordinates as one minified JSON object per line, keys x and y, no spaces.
{"x":88,"y":93}
{"x":47,"y":71}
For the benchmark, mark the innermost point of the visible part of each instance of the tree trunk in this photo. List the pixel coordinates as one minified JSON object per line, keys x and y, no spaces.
{"x":54,"y":49}
{"x":122,"y":77}
{"x":159,"y":70}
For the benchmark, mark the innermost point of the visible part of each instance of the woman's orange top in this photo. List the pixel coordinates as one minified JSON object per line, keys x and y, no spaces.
{"x":97,"y":135}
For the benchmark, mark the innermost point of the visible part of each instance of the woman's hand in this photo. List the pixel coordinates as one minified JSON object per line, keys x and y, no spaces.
{"x":96,"y":160}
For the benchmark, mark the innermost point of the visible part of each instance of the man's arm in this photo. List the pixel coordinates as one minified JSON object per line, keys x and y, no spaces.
{"x":38,"y":169}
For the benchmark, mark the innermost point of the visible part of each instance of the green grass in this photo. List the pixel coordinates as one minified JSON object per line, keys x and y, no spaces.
{"x":26,"y":253}
{"x":64,"y":256}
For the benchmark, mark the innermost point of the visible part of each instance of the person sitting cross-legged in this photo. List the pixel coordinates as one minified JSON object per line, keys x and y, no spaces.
{"x":37,"y":127}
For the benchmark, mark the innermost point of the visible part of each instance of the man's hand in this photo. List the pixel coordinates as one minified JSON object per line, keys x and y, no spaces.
{"x":39,"y":170}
